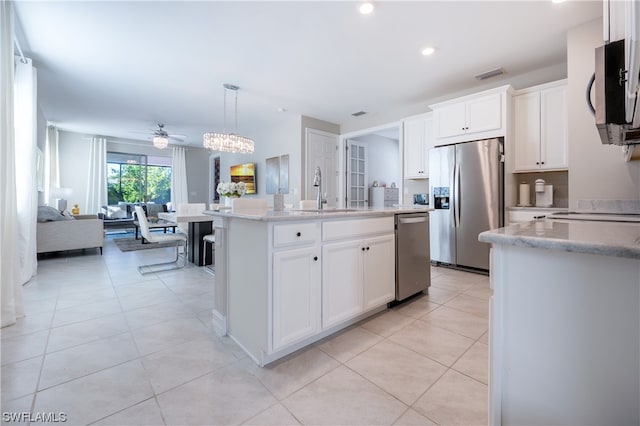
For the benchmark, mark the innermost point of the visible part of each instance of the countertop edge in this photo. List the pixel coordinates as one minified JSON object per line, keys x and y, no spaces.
{"x":573,"y":246}
{"x":293,"y":215}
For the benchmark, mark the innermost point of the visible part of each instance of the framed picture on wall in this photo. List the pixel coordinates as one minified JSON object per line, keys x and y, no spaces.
{"x":245,"y":173}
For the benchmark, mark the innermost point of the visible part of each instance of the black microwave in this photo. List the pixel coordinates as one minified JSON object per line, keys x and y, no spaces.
{"x":611,"y":109}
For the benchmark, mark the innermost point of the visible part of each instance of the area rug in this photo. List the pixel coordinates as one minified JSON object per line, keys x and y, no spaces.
{"x":131,"y":244}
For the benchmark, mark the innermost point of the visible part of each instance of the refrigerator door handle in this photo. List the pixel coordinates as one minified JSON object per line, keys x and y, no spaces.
{"x":456,"y":195}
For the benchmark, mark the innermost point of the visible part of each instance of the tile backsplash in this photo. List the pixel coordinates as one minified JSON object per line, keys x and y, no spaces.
{"x":559,"y":180}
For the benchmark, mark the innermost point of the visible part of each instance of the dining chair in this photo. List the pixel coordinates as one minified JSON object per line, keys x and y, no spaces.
{"x":179,"y":239}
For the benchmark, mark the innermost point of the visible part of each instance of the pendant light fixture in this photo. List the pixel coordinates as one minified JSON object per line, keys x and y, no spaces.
{"x":228,"y":142}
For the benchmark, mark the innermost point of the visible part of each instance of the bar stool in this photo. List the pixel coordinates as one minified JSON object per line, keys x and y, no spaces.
{"x":209,"y":239}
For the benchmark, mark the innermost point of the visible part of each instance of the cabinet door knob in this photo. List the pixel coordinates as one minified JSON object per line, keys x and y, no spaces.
{"x":537,"y":163}
{"x":363,"y":248}
{"x":315,"y":258}
{"x":298,"y":234}
{"x":367,"y":248}
{"x":542,"y":162}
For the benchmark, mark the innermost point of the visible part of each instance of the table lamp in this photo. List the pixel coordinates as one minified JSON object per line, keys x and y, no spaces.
{"x":61,"y":195}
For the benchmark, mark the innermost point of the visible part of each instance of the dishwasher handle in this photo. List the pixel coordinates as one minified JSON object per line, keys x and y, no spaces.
{"x":413,"y":219}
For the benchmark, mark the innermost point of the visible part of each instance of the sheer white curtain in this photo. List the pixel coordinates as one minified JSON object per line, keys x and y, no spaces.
{"x":97,"y":179}
{"x":51,"y":164}
{"x":10,"y":285}
{"x":25,"y":119}
{"x":179,"y":194}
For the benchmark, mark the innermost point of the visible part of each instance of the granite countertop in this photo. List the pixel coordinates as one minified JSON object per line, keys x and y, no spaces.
{"x":543,"y":209}
{"x":615,"y":239}
{"x":294,"y":214}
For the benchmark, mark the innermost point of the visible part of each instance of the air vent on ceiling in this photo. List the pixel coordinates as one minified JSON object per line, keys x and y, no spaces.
{"x":488,"y":74}
{"x":359,"y":113}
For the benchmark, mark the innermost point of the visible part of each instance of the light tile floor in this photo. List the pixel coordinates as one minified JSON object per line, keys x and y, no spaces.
{"x":107,"y":346}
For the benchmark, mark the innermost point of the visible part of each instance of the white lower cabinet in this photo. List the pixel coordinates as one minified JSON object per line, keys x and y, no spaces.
{"x":342,"y":290}
{"x":379,"y":271}
{"x":323,"y":274}
{"x":296,"y":295}
{"x":358,"y":275}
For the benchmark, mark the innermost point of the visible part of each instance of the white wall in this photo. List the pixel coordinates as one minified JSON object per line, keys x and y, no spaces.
{"x":383,"y":159}
{"x":281,"y":139}
{"x":197,"y":160}
{"x":414,"y":186}
{"x":596,"y":171}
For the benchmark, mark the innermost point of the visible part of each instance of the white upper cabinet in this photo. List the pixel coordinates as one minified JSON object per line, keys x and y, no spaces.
{"x":418,"y":139}
{"x":478,"y":116}
{"x":451,"y":120}
{"x":541,"y":141}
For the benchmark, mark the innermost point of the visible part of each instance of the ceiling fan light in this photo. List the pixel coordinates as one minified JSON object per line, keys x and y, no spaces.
{"x":160,"y":142}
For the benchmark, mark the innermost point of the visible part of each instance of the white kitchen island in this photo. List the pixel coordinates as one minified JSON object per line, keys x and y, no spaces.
{"x":287,"y":279}
{"x":565,"y":323}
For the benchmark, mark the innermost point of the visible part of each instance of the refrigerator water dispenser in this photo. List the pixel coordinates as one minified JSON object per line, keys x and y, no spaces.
{"x":441,"y":198}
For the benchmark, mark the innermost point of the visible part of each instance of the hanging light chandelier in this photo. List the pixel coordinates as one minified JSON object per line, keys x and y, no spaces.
{"x":228,"y":142}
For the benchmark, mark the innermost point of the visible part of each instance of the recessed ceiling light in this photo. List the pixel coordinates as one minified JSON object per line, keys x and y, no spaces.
{"x":366,"y":8}
{"x":557,"y":1}
{"x":428,"y":51}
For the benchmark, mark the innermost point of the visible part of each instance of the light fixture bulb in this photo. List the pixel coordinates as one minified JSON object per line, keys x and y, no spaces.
{"x":160,"y":142}
{"x":428,"y":51}
{"x":366,"y":8}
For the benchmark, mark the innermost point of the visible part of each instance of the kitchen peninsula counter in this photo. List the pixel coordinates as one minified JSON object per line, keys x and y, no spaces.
{"x":564,"y":323}
{"x":287,"y":279}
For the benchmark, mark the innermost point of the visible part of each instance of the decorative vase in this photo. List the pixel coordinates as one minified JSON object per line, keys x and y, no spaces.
{"x":228,"y":202}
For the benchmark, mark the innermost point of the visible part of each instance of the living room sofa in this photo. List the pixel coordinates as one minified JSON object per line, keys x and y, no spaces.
{"x":83,"y":231}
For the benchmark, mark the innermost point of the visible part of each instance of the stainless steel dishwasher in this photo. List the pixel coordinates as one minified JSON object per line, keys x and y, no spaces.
{"x":413,"y":261}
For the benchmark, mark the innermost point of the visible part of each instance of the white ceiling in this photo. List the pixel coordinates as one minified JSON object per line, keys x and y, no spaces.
{"x":116,"y":67}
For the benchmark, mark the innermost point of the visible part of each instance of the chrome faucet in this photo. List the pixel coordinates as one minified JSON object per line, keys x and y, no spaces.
{"x":317,"y":181}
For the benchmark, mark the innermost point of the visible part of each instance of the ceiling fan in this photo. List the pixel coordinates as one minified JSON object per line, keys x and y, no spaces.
{"x":160,"y":137}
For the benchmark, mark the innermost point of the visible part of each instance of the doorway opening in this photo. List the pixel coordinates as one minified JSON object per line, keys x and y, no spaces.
{"x":373,"y":159}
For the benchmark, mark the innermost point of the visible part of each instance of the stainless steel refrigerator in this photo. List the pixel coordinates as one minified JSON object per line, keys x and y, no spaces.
{"x":467,"y":193}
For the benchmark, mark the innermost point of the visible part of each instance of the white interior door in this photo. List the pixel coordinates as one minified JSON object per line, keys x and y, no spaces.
{"x":321,"y":150}
{"x":357,"y":194}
